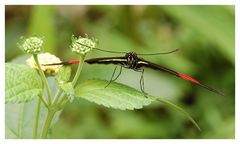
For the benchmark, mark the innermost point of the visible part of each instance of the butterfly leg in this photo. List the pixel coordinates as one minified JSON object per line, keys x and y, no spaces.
{"x":141,"y":81}
{"x":113,"y":79}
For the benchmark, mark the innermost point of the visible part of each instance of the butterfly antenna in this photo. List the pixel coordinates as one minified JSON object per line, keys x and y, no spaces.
{"x":161,"y":53}
{"x":101,"y":49}
{"x":108,"y":51}
{"x":85,"y":45}
{"x":126,"y":52}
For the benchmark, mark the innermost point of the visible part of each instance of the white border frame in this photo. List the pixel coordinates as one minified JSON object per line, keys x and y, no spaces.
{"x":111,"y":2}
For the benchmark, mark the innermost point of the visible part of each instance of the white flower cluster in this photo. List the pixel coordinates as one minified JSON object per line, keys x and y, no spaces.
{"x":45,"y":58}
{"x":31,"y":45}
{"x":82,"y":45}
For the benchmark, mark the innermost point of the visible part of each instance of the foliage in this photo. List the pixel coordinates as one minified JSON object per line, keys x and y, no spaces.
{"x":22,"y":83}
{"x":115,"y":96}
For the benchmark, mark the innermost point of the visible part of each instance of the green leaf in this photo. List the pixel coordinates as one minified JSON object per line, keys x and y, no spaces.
{"x":116,"y":95}
{"x":22,"y":83}
{"x":63,"y":74}
{"x":177,"y":108}
{"x":9,"y":133}
{"x":19,"y":119}
{"x":120,"y":96}
{"x":68,"y":89}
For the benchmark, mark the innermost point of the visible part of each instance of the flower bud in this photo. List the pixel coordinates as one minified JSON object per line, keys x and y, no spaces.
{"x":31,"y":45}
{"x":82,"y":45}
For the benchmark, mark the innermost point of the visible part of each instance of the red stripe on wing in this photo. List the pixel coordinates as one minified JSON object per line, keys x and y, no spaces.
{"x":188,"y":78}
{"x":73,"y":61}
{"x":198,"y":83}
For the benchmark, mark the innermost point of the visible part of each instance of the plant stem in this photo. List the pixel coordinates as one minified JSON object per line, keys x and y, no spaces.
{"x":74,"y":81}
{"x":43,"y":100}
{"x":47,"y":123}
{"x":80,"y":65}
{"x":35,"y":133}
{"x":43,"y":79}
{"x":52,"y":112}
{"x":61,"y":102}
{"x":57,"y":96}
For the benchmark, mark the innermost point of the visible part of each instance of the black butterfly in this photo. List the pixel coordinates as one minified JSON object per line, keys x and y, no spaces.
{"x":132,"y":61}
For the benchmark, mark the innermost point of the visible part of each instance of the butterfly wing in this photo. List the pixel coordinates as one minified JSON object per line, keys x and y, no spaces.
{"x":144,"y":63}
{"x":107,"y":60}
{"x":103,"y":60}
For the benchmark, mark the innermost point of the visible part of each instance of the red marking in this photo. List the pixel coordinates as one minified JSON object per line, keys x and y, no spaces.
{"x":188,"y":78}
{"x":73,"y":61}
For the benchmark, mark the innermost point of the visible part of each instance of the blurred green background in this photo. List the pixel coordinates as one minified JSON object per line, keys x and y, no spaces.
{"x":205,"y":36}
